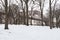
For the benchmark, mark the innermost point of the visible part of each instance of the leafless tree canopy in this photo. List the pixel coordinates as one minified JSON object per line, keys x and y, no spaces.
{"x":30,"y":12}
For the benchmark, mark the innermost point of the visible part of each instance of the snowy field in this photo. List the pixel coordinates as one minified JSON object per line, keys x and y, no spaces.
{"x":22,"y":32}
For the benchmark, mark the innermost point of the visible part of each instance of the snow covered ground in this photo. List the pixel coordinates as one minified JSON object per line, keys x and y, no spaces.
{"x":22,"y":32}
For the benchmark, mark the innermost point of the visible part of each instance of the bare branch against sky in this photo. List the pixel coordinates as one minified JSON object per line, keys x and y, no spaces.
{"x":46,"y":6}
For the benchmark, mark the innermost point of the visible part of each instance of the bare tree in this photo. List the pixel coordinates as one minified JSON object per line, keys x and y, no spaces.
{"x":41,"y":8}
{"x":50,"y":14}
{"x":6,"y":11}
{"x":32,"y":10}
{"x":26,"y":3}
{"x":53,"y":11}
{"x":41,"y":5}
{"x":23,"y":8}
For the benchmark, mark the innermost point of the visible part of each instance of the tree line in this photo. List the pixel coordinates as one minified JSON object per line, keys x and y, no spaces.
{"x":20,"y":14}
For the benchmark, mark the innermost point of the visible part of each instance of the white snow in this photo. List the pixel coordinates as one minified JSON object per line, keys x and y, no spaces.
{"x":22,"y":32}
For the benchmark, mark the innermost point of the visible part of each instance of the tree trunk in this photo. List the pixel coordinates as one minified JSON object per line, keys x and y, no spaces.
{"x":41,"y":11}
{"x":31,"y":14}
{"x":6,"y":23}
{"x":24,"y":15}
{"x":42,"y":16}
{"x":57,"y":21}
{"x":6,"y":19}
{"x":27,"y":13}
{"x":0,"y":19}
{"x":50,"y":14}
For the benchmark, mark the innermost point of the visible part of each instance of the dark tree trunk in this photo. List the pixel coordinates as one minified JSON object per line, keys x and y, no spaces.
{"x":51,"y":21}
{"x":6,"y":23}
{"x":0,"y":19}
{"x":31,"y":14}
{"x":27,"y":13}
{"x":42,"y":16}
{"x":56,"y":21}
{"x":6,"y":19}
{"x":24,"y":15}
{"x":41,"y":9}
